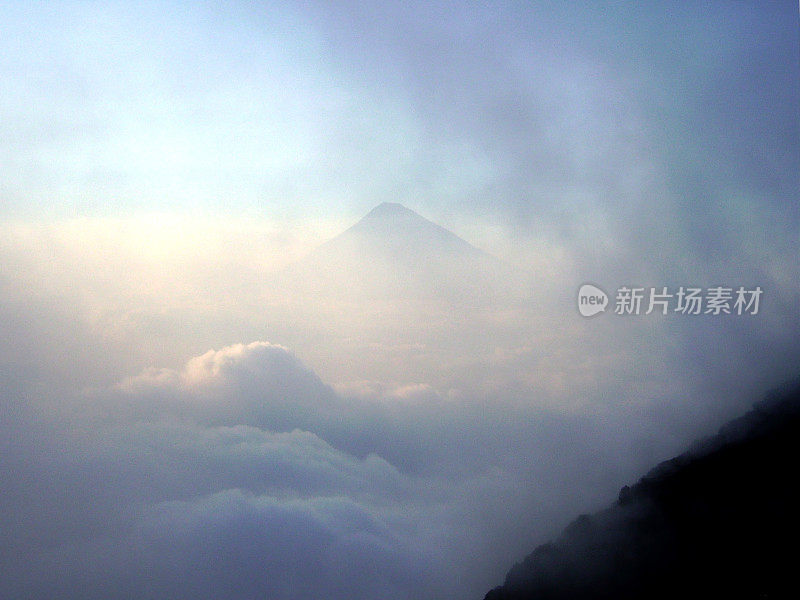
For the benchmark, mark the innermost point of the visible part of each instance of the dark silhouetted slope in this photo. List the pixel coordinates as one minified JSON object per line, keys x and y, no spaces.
{"x":719,"y":521}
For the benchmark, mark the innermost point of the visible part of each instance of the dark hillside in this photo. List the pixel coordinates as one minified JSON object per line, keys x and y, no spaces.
{"x":719,"y":521}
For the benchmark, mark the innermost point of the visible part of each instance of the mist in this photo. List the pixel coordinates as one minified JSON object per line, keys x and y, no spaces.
{"x":288,"y":293}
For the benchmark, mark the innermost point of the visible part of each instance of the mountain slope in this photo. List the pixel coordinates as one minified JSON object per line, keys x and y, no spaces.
{"x":396,"y":298}
{"x":394,"y":253}
{"x":719,"y":521}
{"x":392,"y":229}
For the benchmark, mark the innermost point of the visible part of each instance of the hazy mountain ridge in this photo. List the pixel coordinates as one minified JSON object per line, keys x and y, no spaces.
{"x":393,"y":253}
{"x":394,"y":226}
{"x":719,"y":521}
{"x":397,"y":293}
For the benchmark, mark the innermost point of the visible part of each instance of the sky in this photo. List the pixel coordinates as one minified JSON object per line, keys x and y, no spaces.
{"x":183,"y":415}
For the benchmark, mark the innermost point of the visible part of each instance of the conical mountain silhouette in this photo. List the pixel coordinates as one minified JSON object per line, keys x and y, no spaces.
{"x":395,"y":297}
{"x":393,"y":253}
{"x":393,"y":228}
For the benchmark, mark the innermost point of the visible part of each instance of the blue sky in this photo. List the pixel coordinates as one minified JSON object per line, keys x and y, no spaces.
{"x":532,"y":112}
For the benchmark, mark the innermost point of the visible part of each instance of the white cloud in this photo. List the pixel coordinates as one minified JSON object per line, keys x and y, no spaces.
{"x":235,"y":544}
{"x":258,"y":384}
{"x":212,"y":481}
{"x":384,"y":392}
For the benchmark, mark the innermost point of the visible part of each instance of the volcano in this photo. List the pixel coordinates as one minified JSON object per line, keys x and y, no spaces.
{"x":397,"y":296}
{"x":395,"y":254}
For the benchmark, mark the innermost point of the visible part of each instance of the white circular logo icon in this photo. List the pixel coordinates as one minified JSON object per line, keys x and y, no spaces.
{"x":591,"y":300}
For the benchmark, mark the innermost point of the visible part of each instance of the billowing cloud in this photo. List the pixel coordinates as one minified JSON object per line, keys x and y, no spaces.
{"x":258,"y":384}
{"x":163,"y":503}
{"x":218,"y":480}
{"x":173,"y":514}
